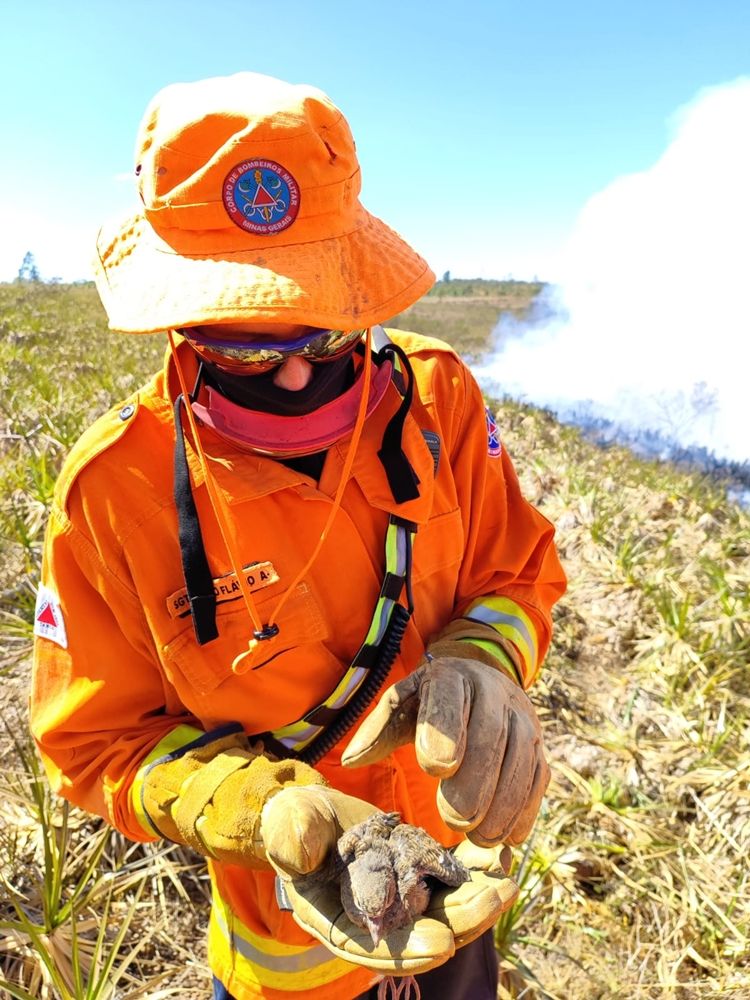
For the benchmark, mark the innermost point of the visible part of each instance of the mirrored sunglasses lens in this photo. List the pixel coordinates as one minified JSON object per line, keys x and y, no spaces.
{"x":235,"y":358}
{"x":326,"y":346}
{"x":331,"y":344}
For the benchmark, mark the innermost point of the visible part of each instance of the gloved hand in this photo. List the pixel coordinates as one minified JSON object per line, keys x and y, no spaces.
{"x":302,"y":823}
{"x":476,"y":730}
{"x":453,"y":918}
{"x":220,"y":798}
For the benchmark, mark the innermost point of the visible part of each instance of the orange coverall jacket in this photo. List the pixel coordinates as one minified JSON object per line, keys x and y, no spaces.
{"x":123,"y":669}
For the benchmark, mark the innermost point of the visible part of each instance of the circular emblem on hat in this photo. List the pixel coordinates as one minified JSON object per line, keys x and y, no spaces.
{"x":261,"y":196}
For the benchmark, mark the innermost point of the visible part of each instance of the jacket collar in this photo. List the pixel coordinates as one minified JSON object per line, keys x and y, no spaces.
{"x":242,"y":475}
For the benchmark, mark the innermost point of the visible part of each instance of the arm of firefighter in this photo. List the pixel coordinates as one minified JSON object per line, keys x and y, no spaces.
{"x":99,"y":703}
{"x":115,"y":741}
{"x":471,"y":724}
{"x":217,"y":793}
{"x":510,"y":575}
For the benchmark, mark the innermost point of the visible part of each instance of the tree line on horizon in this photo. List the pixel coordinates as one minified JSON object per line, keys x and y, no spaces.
{"x":29,"y":272}
{"x":482,"y":287}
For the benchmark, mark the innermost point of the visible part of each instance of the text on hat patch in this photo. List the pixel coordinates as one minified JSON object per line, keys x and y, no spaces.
{"x":261,"y":196}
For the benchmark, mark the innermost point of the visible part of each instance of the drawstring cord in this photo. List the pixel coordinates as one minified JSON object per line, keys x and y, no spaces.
{"x":343,"y":480}
{"x":405,"y":988}
{"x":268,"y":631}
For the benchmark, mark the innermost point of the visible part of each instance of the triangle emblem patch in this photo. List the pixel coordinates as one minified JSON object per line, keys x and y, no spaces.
{"x":48,"y":619}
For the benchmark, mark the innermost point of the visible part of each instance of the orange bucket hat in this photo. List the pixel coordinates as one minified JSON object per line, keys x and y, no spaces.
{"x":251,"y":213}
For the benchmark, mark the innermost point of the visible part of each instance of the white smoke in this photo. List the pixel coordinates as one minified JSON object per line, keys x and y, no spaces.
{"x":650,"y":326}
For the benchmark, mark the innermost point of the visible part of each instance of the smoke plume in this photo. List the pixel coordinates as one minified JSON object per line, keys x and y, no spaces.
{"x":649,"y":327}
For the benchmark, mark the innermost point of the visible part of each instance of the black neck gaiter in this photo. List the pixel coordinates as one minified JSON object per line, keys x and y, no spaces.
{"x":258,"y":392}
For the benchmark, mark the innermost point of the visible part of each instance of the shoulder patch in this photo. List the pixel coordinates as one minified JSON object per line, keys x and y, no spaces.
{"x":494,"y":445}
{"x":99,"y":436}
{"x":48,"y":618}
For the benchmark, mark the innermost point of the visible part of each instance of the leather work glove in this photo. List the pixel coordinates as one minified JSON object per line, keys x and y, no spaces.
{"x":454,"y":916}
{"x":218,"y":797}
{"x":477,"y":731}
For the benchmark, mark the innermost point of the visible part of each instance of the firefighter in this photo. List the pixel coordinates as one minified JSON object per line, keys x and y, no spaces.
{"x":292,"y":579}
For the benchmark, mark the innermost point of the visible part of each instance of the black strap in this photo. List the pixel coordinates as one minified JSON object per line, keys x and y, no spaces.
{"x":198,"y":580}
{"x":402,"y":478}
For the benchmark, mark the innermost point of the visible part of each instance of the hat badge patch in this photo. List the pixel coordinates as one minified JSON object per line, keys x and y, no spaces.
{"x":261,"y":196}
{"x":494,"y":445}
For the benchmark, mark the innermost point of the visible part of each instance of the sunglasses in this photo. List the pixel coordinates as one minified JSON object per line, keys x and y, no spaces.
{"x":253,"y":357}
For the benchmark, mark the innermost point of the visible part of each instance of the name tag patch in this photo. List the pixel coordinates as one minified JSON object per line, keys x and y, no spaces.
{"x":227,"y":588}
{"x":48,"y":619}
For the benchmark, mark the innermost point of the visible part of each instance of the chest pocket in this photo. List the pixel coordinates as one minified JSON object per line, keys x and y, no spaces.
{"x":205,"y":667}
{"x":439,"y":544}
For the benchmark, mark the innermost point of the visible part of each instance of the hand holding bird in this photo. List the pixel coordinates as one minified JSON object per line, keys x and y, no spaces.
{"x":387,"y":871}
{"x":333,"y":902}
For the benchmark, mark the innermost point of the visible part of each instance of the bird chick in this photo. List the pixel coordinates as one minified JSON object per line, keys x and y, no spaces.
{"x":387,"y":871}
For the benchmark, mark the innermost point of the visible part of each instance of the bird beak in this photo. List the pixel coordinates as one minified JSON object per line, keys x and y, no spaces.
{"x":375,"y":927}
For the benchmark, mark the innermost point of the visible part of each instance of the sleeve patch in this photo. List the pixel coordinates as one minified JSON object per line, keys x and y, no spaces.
{"x":48,"y":619}
{"x":494,"y":445}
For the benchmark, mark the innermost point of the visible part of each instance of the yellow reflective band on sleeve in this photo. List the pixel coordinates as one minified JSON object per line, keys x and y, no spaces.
{"x":496,"y":650}
{"x":177,"y":738}
{"x":511,"y":622}
{"x":264,"y":963}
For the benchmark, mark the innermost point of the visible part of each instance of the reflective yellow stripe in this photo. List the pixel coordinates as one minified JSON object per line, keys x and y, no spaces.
{"x":496,"y":650}
{"x":376,"y":625}
{"x":346,"y":687}
{"x":510,"y":621}
{"x":297,"y":735}
{"x":258,"y":961}
{"x":178,"y":737}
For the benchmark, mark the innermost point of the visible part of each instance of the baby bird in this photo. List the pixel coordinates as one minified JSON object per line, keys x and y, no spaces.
{"x":388,"y":870}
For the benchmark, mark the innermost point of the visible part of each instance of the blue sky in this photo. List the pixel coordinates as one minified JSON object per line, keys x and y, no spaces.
{"x":482,"y":128}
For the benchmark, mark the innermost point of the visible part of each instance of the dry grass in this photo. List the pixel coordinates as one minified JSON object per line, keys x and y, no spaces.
{"x":646,"y":706}
{"x":465,"y":313}
{"x":635,"y":882}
